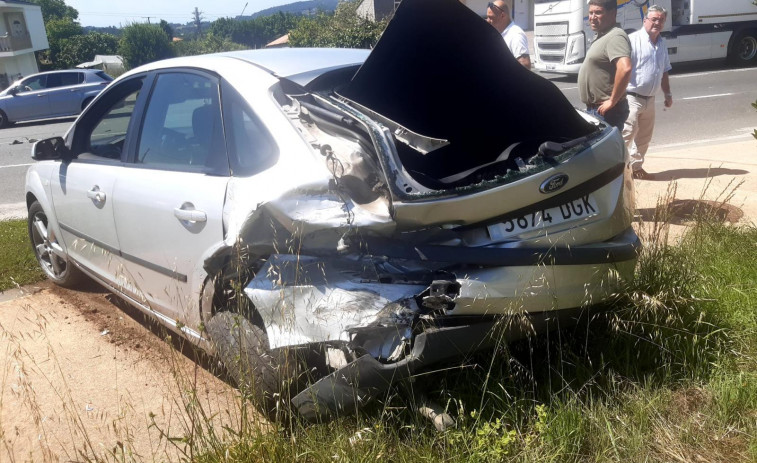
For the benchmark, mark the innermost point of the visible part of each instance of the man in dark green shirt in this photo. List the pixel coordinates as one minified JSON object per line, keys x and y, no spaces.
{"x":605,"y":73}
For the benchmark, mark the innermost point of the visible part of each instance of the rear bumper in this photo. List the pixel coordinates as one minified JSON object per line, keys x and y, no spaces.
{"x":352,"y":386}
{"x":479,"y":321}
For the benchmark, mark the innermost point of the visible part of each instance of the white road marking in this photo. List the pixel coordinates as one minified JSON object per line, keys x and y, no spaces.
{"x":16,"y":165}
{"x":707,"y":96}
{"x":743,"y":137}
{"x":707,"y":73}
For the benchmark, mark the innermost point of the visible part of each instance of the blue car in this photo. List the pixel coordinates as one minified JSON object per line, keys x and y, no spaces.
{"x":51,"y":94}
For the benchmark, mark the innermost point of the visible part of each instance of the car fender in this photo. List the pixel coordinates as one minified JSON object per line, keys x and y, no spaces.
{"x":37,"y":188}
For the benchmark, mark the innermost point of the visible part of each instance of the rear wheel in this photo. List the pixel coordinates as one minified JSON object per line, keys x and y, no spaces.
{"x":269,"y":377}
{"x":744,"y":48}
{"x":51,"y":257}
{"x":86,"y":103}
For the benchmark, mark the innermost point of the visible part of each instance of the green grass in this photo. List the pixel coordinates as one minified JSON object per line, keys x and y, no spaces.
{"x":666,"y":373}
{"x":17,"y":263}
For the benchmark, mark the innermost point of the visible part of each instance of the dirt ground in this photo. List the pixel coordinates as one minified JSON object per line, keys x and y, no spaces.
{"x":82,"y":378}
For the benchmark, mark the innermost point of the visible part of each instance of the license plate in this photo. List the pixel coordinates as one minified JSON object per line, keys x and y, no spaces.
{"x":577,"y":209}
{"x":551,"y":67}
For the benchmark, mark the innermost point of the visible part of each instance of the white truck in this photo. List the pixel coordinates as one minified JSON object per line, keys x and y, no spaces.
{"x":695,"y":30}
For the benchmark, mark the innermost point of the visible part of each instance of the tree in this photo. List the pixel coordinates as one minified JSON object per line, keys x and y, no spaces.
{"x":56,"y":9}
{"x":143,"y":43}
{"x":59,"y":30}
{"x":344,"y":29}
{"x":255,"y":33}
{"x":166,"y":28}
{"x":83,"y":48}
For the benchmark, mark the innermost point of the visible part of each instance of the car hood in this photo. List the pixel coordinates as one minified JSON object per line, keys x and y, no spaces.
{"x":443,"y":72}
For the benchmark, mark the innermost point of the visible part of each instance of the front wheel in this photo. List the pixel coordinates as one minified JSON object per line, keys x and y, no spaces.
{"x":744,"y":48}
{"x":4,"y":122}
{"x":51,"y":257}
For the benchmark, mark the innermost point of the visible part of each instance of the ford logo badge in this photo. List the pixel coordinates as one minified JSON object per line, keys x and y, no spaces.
{"x":553,"y":183}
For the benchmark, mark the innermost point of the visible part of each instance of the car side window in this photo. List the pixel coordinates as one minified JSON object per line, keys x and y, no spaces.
{"x":251,"y":146}
{"x":182,"y":128}
{"x":109,"y":130}
{"x":32,"y":84}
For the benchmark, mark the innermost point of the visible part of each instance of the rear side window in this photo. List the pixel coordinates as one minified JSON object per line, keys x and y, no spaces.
{"x":251,"y":147}
{"x":64,"y":79}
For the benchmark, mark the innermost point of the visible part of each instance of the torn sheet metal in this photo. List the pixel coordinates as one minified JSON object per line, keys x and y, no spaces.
{"x":304,"y":299}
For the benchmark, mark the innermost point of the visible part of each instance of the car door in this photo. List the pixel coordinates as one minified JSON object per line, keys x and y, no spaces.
{"x":65,"y":93}
{"x":168,"y":207}
{"x":31,"y":101}
{"x":83,"y":189}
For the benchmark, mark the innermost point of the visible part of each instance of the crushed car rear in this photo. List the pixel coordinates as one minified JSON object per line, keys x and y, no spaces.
{"x":467,"y":200}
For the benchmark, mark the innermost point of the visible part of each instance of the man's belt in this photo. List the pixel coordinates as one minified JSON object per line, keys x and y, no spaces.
{"x":639,"y":96}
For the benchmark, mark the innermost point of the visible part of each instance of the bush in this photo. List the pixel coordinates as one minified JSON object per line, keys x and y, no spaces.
{"x":143,"y":43}
{"x":82,"y":48}
{"x":343,"y":29}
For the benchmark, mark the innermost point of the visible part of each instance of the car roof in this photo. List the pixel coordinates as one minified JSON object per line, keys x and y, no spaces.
{"x":299,"y":65}
{"x":58,"y":71}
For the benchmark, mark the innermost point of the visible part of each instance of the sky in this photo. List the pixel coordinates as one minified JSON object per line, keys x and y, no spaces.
{"x":102,"y":13}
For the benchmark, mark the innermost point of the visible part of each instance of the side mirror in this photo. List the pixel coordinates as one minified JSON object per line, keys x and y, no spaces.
{"x":13,"y":91}
{"x":51,"y":149}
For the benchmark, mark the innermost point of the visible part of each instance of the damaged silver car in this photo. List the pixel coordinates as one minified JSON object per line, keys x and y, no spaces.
{"x":331,"y":222}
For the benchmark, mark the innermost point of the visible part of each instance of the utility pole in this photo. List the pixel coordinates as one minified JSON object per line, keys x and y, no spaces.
{"x":198,"y":20}
{"x":245,"y":7}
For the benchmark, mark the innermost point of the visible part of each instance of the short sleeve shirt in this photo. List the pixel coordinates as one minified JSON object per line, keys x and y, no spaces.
{"x":649,"y":61}
{"x":597,"y":74}
{"x":516,"y":40}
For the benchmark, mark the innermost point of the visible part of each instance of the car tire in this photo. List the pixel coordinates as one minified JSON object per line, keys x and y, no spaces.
{"x":743,"y":50}
{"x":50,"y":256}
{"x":86,"y":103}
{"x":4,"y":122}
{"x":269,"y":378}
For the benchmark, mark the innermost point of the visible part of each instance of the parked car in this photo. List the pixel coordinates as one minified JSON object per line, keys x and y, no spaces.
{"x":328,"y":221}
{"x":51,"y":94}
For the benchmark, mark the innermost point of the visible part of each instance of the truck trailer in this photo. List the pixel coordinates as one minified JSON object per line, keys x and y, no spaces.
{"x":695,"y":30}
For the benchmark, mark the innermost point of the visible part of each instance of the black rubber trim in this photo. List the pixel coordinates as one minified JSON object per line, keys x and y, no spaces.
{"x":622,"y":248}
{"x":576,"y":192}
{"x":157,"y":268}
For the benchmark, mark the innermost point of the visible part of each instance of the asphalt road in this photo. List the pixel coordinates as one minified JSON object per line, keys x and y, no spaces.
{"x":15,"y":157}
{"x":711,"y":103}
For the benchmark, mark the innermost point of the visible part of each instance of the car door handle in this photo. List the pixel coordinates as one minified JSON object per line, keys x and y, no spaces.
{"x":96,"y":195}
{"x":40,"y":95}
{"x":190,"y":215}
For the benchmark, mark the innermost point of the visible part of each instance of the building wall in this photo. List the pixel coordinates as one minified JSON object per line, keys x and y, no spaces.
{"x":36,"y":27}
{"x":13,"y":68}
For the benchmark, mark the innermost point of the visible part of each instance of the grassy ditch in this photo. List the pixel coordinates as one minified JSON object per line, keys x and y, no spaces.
{"x":17,"y":263}
{"x":665,"y":372}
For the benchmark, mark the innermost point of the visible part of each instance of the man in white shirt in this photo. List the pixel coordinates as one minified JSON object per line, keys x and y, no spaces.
{"x":649,"y":72}
{"x":498,"y":15}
